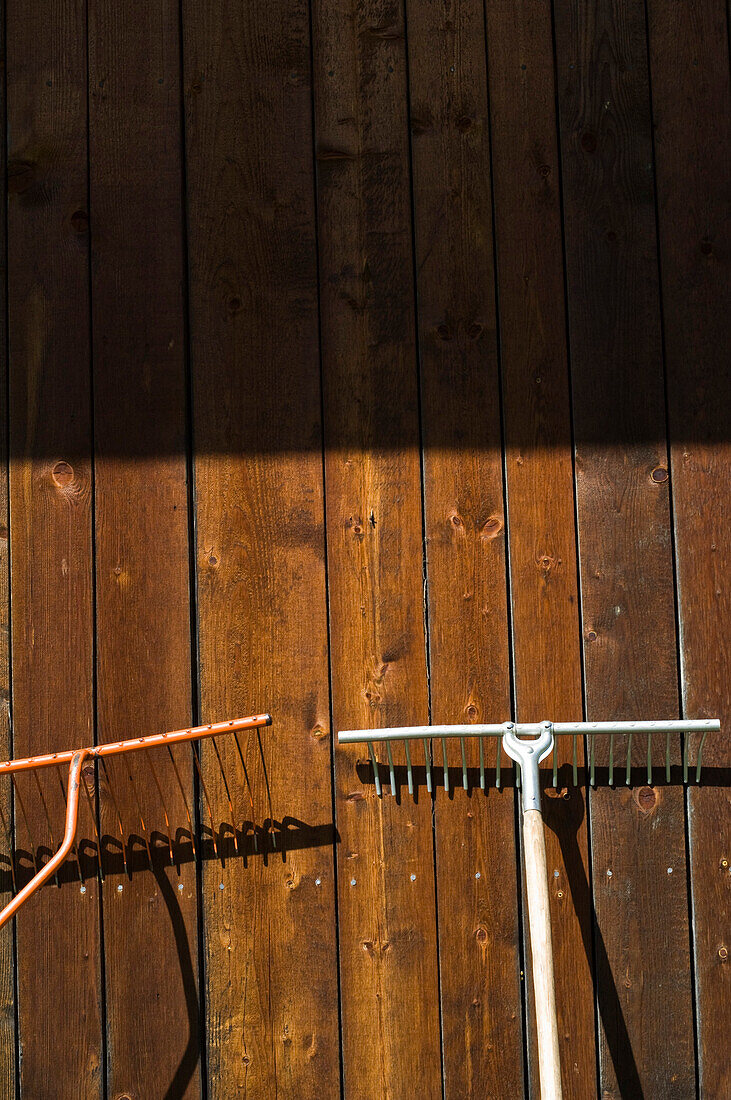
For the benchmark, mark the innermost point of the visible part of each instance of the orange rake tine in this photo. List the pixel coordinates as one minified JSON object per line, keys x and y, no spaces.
{"x":208,"y":801}
{"x":139,"y":810}
{"x":248,"y":786}
{"x":48,"y":816}
{"x":185,"y":802}
{"x":119,"y":816}
{"x":93,"y":818}
{"x":164,"y":807}
{"x":228,"y":794}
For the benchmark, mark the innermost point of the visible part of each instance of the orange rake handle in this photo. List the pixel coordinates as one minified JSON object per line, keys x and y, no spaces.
{"x":75,"y":759}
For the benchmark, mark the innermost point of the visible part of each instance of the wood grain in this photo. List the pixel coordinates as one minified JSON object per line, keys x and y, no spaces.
{"x":691,"y":109}
{"x":7,"y":945}
{"x":388,"y":949}
{"x":141,"y":533}
{"x":50,"y":507}
{"x":465,"y":529}
{"x":540,"y":488}
{"x":642,"y":934}
{"x":271,"y":962}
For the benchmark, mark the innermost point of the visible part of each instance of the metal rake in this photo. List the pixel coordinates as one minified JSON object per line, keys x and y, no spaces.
{"x":528,"y":745}
{"x":75,"y":758}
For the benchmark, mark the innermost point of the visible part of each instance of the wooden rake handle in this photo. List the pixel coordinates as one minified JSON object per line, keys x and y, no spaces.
{"x":539,"y":924}
{"x":529,"y":753}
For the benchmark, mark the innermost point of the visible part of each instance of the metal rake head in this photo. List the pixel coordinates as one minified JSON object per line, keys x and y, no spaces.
{"x":76,"y":758}
{"x":593,"y":731}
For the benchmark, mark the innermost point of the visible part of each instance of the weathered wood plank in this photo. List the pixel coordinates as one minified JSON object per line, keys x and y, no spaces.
{"x":7,"y":947}
{"x":540,"y":489}
{"x":388,"y":950}
{"x":642,"y":934}
{"x":50,"y":502}
{"x":465,"y":527}
{"x":143,"y":614}
{"x":271,"y":962}
{"x":692,"y":109}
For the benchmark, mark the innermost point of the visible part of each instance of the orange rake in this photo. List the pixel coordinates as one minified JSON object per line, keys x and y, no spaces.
{"x":75,"y":759}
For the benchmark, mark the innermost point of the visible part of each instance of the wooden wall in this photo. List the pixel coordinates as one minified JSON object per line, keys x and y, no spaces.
{"x":366,"y":363}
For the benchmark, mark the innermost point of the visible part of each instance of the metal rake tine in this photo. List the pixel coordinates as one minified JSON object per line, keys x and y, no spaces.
{"x":374,"y":764}
{"x":649,"y":760}
{"x":266,"y":783}
{"x":698,"y":764}
{"x":205,"y":795}
{"x":427,"y":764}
{"x":481,"y":743}
{"x":48,"y":816}
{"x":498,"y":761}
{"x":391,"y":769}
{"x":464,"y":763}
{"x":185,"y":802}
{"x":667,"y":756}
{"x":228,"y":794}
{"x":628,"y":764}
{"x":251,"y":793}
{"x":27,"y":824}
{"x":119,"y":816}
{"x":164,"y":807}
{"x":410,"y":774}
{"x":96,"y":829}
{"x":10,"y":848}
{"x":591,"y":760}
{"x":686,"y":747}
{"x":445,"y":765}
{"x":611,"y":759}
{"x":555,"y":765}
{"x":575,"y":760}
{"x":139,"y":810}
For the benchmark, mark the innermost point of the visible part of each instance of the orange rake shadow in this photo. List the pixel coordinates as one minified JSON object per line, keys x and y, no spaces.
{"x":75,"y":758}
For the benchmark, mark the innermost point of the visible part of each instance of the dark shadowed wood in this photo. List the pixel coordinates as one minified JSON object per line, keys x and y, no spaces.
{"x":642,"y":935}
{"x":50,"y":502}
{"x":388,"y":948}
{"x":271,"y":963}
{"x":7,"y":953}
{"x":692,"y":109}
{"x":539,"y":471}
{"x":143,"y":616}
{"x":465,"y":528}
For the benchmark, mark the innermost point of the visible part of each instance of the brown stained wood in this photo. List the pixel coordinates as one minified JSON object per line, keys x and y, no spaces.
{"x":50,"y":505}
{"x":143,"y":624}
{"x":388,"y":950}
{"x":539,"y":478}
{"x":642,"y":934}
{"x":465,"y":525}
{"x":7,"y":952}
{"x":270,"y":956}
{"x":692,"y":108}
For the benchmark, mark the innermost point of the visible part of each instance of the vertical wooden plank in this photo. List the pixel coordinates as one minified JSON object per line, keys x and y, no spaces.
{"x":271,"y":963}
{"x":388,"y":952}
{"x":539,"y":475}
{"x":692,"y":109}
{"x":7,"y":945}
{"x":50,"y":507}
{"x":465,"y":527}
{"x":143,"y":624}
{"x":638,"y":841}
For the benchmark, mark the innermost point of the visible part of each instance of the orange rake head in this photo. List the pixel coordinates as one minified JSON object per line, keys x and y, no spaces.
{"x":75,"y":758}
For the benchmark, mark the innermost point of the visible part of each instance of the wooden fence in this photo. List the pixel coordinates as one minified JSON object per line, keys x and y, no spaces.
{"x":367,"y":364}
